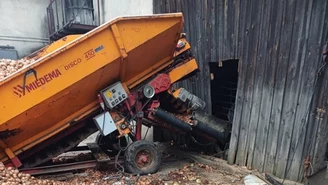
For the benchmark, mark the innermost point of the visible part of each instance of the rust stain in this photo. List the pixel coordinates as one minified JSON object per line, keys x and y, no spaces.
{"x":9,"y":133}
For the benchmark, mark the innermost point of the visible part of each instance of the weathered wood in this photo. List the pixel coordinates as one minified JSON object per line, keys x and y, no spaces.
{"x":294,"y":164}
{"x":225,"y":30}
{"x":257,"y":82}
{"x":271,"y":130}
{"x":321,"y":147}
{"x":220,"y":25}
{"x":317,"y":140}
{"x":235,"y":133}
{"x":279,"y":120}
{"x":289,"y":93}
{"x":236,"y":22}
{"x":263,"y":90}
{"x":213,"y":35}
{"x":247,"y":95}
{"x":277,"y":93}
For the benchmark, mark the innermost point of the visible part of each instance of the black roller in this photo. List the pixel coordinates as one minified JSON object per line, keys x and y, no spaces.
{"x":169,"y":118}
{"x":221,"y":136}
{"x":211,"y":121}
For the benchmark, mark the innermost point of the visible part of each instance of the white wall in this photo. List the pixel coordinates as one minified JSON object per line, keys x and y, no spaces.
{"x":111,"y":9}
{"x":23,"y":24}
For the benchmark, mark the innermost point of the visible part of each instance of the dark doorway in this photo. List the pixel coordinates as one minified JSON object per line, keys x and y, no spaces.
{"x":224,"y":80}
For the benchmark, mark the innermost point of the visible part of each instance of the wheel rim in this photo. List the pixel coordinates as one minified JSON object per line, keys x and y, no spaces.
{"x":144,"y":159}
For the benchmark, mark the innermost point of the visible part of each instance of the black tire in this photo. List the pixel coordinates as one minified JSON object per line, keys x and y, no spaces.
{"x":136,"y":151}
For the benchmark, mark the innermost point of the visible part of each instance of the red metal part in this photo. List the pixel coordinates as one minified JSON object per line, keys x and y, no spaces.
{"x":132,"y":98}
{"x":142,"y":159}
{"x":161,"y":83}
{"x":16,"y":162}
{"x":154,"y":104}
{"x":101,"y":101}
{"x":9,"y":164}
{"x":139,"y":121}
{"x":127,"y":104}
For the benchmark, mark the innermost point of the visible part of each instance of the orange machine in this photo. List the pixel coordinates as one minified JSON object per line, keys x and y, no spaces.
{"x":103,"y":80}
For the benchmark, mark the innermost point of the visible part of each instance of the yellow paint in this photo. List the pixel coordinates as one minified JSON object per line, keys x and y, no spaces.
{"x":183,"y":70}
{"x":71,"y":72}
{"x":109,"y":94}
{"x":9,"y":153}
{"x":118,"y":121}
{"x":176,"y":93}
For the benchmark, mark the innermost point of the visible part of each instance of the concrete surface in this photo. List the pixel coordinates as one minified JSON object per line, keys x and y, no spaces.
{"x":24,"y":25}
{"x":114,"y":8}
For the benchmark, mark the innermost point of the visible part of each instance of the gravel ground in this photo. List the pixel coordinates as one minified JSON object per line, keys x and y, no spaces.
{"x":175,"y":172}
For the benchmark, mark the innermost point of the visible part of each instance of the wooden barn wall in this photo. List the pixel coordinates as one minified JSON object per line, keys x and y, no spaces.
{"x":279,"y":45}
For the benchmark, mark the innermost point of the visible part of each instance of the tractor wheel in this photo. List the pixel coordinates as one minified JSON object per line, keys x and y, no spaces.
{"x":142,"y":158}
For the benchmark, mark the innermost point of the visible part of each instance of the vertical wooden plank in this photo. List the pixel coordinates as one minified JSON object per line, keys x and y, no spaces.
{"x":313,"y":38}
{"x":267,"y":88}
{"x":173,"y":6}
{"x":296,"y":106}
{"x":321,"y":117}
{"x":192,"y":35}
{"x":226,"y":44}
{"x":178,"y":7}
{"x":207,"y":58}
{"x":213,"y":36}
{"x":258,"y":139}
{"x":167,"y":6}
{"x":248,"y":94}
{"x":301,"y":67}
{"x":279,"y":132}
{"x":239,"y":103}
{"x":256,"y":79}
{"x":241,"y":27}
{"x":236,"y":29}
{"x":289,"y":92}
{"x":321,"y":105}
{"x":231,"y":24}
{"x":155,"y":6}
{"x":277,"y":96}
{"x":221,"y":27}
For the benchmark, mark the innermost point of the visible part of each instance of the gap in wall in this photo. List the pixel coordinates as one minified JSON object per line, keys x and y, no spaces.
{"x":224,"y":81}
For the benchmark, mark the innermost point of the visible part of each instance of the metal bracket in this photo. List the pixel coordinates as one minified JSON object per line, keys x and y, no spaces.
{"x":25,"y":75}
{"x":124,"y":54}
{"x":14,"y":159}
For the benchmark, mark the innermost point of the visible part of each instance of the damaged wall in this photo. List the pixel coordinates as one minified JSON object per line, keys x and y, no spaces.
{"x":279,"y":45}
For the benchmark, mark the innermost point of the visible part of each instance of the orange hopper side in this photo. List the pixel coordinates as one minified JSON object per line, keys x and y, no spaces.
{"x":62,"y":85}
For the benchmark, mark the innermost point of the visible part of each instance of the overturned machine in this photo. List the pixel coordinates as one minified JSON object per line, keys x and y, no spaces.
{"x":113,"y":80}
